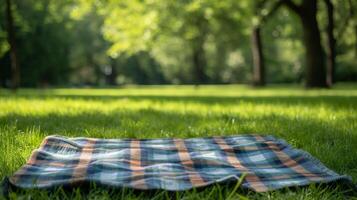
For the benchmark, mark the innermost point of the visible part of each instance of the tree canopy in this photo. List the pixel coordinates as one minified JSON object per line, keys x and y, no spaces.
{"x":93,"y":42}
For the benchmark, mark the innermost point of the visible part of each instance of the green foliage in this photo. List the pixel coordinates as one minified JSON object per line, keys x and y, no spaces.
{"x":322,"y":122}
{"x":283,"y":48}
{"x":88,"y":54}
{"x":88,"y":42}
{"x":42,"y":44}
{"x":170,"y":30}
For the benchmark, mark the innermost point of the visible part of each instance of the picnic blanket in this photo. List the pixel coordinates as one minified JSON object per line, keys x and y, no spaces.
{"x":171,"y":164}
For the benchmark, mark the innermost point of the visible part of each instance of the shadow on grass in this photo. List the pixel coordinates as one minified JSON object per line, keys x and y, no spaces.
{"x":335,"y":101}
{"x":154,"y":120}
{"x":329,"y":142}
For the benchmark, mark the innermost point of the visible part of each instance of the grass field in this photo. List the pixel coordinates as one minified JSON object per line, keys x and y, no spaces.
{"x":322,"y":122}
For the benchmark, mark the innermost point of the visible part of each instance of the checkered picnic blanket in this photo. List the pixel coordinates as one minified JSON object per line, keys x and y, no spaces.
{"x":171,"y":164}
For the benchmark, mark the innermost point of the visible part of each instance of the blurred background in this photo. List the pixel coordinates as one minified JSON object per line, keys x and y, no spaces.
{"x":80,"y":43}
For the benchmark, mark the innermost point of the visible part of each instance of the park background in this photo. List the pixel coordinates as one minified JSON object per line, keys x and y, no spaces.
{"x":75,"y":43}
{"x":183,"y":69}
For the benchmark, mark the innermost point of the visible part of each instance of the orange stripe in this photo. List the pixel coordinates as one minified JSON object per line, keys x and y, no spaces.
{"x":251,"y":178}
{"x":32,"y":160}
{"x":44,"y":142}
{"x":287,"y":161}
{"x":136,"y":166}
{"x":185,"y":158}
{"x":80,"y":170}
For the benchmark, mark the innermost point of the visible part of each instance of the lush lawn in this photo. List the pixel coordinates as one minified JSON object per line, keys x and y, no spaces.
{"x":322,"y":122}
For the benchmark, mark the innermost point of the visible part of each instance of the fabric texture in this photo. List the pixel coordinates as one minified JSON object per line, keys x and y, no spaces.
{"x":171,"y":164}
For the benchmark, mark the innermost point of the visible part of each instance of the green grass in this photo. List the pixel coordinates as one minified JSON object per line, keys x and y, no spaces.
{"x":322,"y":122}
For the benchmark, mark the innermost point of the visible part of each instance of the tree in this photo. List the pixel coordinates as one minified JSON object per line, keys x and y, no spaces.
{"x":331,"y":43}
{"x":200,"y":23}
{"x":342,"y":45}
{"x":191,"y":25}
{"x":155,"y":20}
{"x":256,"y":40}
{"x":15,"y":68}
{"x":315,"y":63}
{"x":257,"y":51}
{"x":44,"y":39}
{"x":90,"y":50}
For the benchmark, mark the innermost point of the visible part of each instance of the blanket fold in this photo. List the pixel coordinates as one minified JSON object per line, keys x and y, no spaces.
{"x":171,"y":164}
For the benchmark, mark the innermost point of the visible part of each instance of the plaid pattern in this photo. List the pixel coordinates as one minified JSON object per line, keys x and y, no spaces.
{"x":171,"y":164}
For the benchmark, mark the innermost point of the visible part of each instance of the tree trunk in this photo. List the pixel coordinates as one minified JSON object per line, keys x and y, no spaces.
{"x":315,"y":66}
{"x":331,"y":44}
{"x":356,"y":40}
{"x":198,"y":52}
{"x":15,"y":69}
{"x":199,"y":63}
{"x":257,"y":43}
{"x":112,"y":77}
{"x":258,"y":58}
{"x":315,"y":73}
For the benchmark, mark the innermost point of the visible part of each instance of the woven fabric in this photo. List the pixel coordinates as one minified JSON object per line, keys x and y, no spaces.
{"x":171,"y":164}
